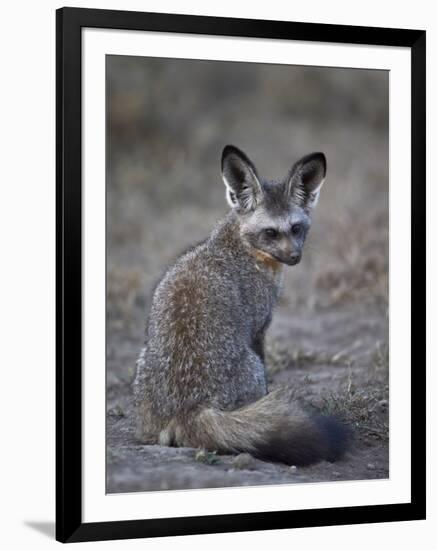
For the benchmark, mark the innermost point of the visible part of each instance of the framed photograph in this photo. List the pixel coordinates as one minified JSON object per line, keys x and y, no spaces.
{"x":220,"y":365}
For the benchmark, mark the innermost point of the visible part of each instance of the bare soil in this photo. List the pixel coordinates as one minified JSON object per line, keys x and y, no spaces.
{"x":342,"y":376}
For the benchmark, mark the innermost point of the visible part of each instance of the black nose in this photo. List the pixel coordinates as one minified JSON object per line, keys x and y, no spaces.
{"x":295,"y":258}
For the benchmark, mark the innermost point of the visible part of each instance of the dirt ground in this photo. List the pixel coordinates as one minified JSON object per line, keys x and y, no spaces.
{"x":167,"y":124}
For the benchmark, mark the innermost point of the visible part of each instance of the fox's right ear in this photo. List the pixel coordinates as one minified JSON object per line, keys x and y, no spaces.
{"x":243,"y":187}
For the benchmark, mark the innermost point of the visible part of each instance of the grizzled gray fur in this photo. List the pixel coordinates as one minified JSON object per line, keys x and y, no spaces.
{"x":200,"y":377}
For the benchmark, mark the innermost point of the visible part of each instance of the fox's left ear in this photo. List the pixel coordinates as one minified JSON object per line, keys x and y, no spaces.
{"x":306,"y":179}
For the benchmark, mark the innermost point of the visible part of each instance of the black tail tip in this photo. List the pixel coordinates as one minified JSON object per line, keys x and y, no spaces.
{"x":337,"y":436}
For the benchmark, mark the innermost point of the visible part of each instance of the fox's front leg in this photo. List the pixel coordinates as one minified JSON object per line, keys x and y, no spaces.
{"x":258,"y":345}
{"x":258,"y":348}
{"x":258,"y":341}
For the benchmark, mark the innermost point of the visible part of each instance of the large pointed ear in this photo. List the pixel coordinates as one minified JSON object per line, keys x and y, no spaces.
{"x":306,"y":179}
{"x":243,"y":187}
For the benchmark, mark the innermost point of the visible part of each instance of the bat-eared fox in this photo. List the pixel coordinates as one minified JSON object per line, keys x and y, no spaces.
{"x":200,"y":378}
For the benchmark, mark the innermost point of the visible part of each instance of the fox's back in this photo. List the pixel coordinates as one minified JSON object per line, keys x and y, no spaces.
{"x":205,"y":313}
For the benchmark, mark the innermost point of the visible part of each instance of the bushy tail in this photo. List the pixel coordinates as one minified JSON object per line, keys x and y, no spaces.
{"x":271,"y":429}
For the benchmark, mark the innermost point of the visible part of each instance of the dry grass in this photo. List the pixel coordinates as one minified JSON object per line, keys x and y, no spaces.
{"x":280,"y":357}
{"x":360,"y":398}
{"x":363,"y":404}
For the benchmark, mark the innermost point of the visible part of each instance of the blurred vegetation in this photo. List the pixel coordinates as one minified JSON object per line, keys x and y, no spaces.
{"x":168,"y":121}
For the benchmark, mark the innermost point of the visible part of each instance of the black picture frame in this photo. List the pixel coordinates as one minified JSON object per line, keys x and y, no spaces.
{"x":69,"y":24}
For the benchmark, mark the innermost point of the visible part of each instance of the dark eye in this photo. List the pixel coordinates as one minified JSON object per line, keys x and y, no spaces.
{"x":271,"y":233}
{"x":297,"y":229}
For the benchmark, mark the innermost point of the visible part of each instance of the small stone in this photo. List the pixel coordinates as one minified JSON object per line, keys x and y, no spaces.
{"x":293,"y":469}
{"x":116,"y":411}
{"x":371,"y":466}
{"x":243,"y":461}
